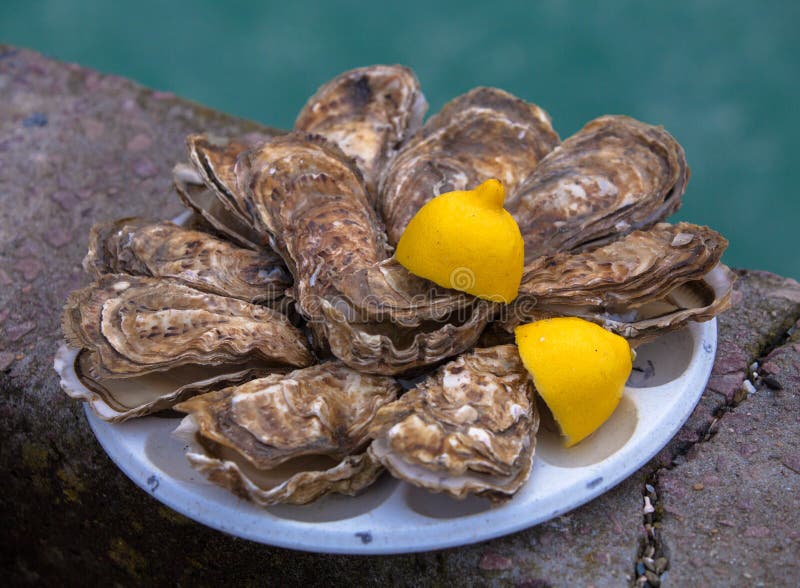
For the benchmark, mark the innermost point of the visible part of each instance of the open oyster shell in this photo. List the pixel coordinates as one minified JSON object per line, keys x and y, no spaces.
{"x":468,"y":429}
{"x":288,"y":438}
{"x":131,"y":325}
{"x":612,"y":177}
{"x":120,"y":399}
{"x":139,"y":247}
{"x":368,"y":112}
{"x":486,"y":133}
{"x":374,"y":315}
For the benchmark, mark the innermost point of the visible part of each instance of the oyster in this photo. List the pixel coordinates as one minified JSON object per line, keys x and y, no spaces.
{"x":194,"y":193}
{"x":132,"y":325}
{"x":468,"y":429}
{"x":368,"y":112}
{"x":311,"y":200}
{"x":288,"y":438}
{"x":646,"y":283}
{"x":387,"y":348}
{"x":120,"y":399}
{"x":137,"y":247}
{"x":215,"y":160}
{"x":208,"y":185}
{"x":612,"y":177}
{"x":640,"y":267}
{"x":697,"y":300}
{"x":486,"y":133}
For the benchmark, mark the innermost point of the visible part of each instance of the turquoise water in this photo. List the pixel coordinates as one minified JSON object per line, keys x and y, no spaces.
{"x":723,"y":77}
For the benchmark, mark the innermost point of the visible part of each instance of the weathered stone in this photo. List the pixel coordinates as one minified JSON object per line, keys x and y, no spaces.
{"x":70,"y":516}
{"x":29,"y":268}
{"x":752,"y":509}
{"x":792,"y":462}
{"x":66,"y":200}
{"x":145,"y":168}
{"x":491,"y":560}
{"x":139,"y":143}
{"x":16,"y":332}
{"x":6,"y":359}
{"x":58,"y":237}
{"x":766,"y":307}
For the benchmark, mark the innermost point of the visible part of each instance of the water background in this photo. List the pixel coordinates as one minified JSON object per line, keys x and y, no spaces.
{"x":721,"y":76}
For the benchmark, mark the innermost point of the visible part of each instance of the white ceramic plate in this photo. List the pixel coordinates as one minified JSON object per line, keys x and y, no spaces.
{"x":393,"y":517}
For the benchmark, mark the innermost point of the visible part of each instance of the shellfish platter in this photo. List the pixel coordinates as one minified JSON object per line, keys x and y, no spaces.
{"x":266,"y":366}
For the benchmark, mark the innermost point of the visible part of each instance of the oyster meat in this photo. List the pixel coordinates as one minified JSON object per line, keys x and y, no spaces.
{"x":200,"y":260}
{"x":288,"y":438}
{"x":368,"y":112}
{"x":131,"y":325}
{"x":468,"y":429}
{"x":486,"y":133}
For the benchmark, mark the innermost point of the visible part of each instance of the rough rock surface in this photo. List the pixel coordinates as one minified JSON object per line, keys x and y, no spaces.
{"x":77,"y":147}
{"x":730,"y":505}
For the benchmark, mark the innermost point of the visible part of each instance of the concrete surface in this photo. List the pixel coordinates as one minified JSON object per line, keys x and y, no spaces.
{"x":77,"y":147}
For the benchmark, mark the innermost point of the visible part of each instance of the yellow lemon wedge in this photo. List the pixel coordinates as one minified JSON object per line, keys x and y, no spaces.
{"x":578,"y":368}
{"x":466,"y":240}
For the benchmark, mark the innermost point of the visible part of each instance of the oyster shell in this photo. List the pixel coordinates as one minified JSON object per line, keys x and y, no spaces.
{"x":698,"y":300}
{"x":131,"y":325}
{"x":311,"y":200}
{"x":644,"y":284}
{"x":138,"y":247}
{"x":612,"y":177}
{"x":194,"y":193}
{"x":368,"y":112}
{"x":384,"y":347}
{"x":288,"y":438}
{"x":215,"y":159}
{"x":641,"y":267}
{"x":468,"y":429}
{"x":117,"y":400}
{"x":486,"y":133}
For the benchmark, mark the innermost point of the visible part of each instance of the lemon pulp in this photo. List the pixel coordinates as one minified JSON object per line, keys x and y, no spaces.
{"x":578,"y":368}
